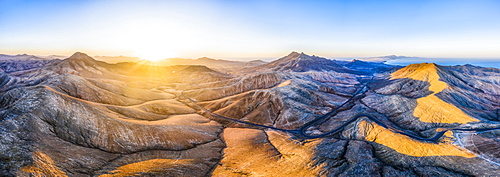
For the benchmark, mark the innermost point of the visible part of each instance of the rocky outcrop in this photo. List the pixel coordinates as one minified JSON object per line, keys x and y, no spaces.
{"x":265,"y":153}
{"x":300,"y":62}
{"x":300,"y":115}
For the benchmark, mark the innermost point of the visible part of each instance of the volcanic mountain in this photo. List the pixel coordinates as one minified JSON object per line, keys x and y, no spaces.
{"x":218,"y":64}
{"x":299,"y":115}
{"x":24,"y":62}
{"x":299,"y":62}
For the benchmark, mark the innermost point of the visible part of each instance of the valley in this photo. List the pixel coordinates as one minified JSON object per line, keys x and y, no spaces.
{"x":299,"y":115}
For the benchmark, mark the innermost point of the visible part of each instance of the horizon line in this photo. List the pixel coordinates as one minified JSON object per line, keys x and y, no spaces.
{"x":259,"y":57}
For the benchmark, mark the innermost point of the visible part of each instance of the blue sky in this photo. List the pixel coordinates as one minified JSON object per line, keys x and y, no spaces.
{"x":252,"y":29}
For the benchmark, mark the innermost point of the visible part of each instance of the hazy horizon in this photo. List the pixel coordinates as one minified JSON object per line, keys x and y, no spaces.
{"x":252,"y":29}
{"x":395,"y":60}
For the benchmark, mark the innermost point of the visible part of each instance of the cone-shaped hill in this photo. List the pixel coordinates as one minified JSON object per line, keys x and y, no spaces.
{"x":196,"y":68}
{"x":299,"y":115}
{"x":301,"y":62}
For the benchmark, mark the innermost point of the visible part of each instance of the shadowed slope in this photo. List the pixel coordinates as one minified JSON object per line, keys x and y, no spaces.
{"x":300,"y":62}
{"x":432,"y":109}
{"x":265,"y":153}
{"x":408,"y":146}
{"x":300,"y":115}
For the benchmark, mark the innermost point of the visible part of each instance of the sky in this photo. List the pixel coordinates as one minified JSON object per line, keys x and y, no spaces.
{"x":246,"y":29}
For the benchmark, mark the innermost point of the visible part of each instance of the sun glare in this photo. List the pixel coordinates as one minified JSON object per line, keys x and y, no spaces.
{"x":154,"y":55}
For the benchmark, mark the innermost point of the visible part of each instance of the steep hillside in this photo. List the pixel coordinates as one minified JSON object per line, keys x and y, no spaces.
{"x":299,"y":115}
{"x":218,"y":64}
{"x":432,"y":109}
{"x":300,"y":62}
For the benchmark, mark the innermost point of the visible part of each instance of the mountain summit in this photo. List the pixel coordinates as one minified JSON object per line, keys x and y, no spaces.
{"x":301,"y":62}
{"x":79,"y":56}
{"x":299,"y":115}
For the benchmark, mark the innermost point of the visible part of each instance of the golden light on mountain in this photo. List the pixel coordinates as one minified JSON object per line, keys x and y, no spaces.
{"x":432,"y":109}
{"x":299,"y":115}
{"x":408,"y":146}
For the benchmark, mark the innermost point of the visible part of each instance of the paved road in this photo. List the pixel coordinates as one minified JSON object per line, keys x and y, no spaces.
{"x":301,"y":132}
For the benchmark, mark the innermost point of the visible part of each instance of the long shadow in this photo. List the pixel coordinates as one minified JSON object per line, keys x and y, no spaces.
{"x":301,"y":132}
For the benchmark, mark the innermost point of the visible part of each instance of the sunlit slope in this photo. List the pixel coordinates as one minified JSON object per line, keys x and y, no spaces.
{"x":85,"y":118}
{"x":286,"y":104}
{"x":76,"y":124}
{"x":42,"y":165}
{"x":265,"y":153}
{"x":405,"y":145}
{"x":426,"y":158}
{"x":432,"y":109}
{"x":156,"y":167}
{"x":81,"y":117}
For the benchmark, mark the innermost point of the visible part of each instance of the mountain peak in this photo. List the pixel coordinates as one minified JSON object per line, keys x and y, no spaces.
{"x":419,"y":67}
{"x":415,"y":68}
{"x":80,"y":56}
{"x":298,"y":56}
{"x":196,"y":68}
{"x":301,"y":62}
{"x":82,"y":59}
{"x":205,"y":59}
{"x":424,"y":72}
{"x":292,"y":55}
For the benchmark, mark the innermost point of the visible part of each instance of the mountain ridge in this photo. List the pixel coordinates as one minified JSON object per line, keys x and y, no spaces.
{"x":301,"y":62}
{"x":297,"y":115}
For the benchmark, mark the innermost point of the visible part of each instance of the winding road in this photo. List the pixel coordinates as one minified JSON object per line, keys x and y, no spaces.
{"x":301,"y":132}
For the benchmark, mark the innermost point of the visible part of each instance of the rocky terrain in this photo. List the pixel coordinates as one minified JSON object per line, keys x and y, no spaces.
{"x":298,"y":115}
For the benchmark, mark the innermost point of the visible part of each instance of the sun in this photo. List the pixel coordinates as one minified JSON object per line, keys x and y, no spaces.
{"x":154,"y":54}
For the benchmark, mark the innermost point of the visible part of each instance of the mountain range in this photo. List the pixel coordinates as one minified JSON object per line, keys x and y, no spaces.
{"x":299,"y":115}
